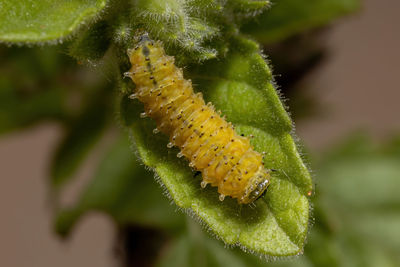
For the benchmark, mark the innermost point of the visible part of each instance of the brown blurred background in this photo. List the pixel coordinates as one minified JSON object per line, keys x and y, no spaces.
{"x":357,"y":85}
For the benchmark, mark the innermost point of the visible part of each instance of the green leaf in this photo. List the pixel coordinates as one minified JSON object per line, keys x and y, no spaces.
{"x":17,"y":110}
{"x":357,"y":192}
{"x":241,"y":87}
{"x":196,"y":248}
{"x":92,"y":44}
{"x":289,"y":17}
{"x":46,"y":20}
{"x":247,"y":8}
{"x":123,"y":189}
{"x":241,"y":5}
{"x":179,"y":24}
{"x":81,"y":135}
{"x":29,"y":88}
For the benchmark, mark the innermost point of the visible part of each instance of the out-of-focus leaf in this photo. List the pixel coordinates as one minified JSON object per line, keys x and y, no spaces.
{"x":30,"y":21}
{"x":393,"y":148}
{"x":358,"y":192}
{"x":288,"y":17}
{"x":241,"y":87}
{"x":92,"y":44}
{"x":18,"y":110}
{"x":81,"y":135}
{"x":29,"y":88}
{"x":196,"y":248}
{"x":122,"y":188}
{"x":374,"y":170}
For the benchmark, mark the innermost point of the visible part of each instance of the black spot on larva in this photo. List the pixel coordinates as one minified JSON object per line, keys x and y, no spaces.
{"x":145,"y":51}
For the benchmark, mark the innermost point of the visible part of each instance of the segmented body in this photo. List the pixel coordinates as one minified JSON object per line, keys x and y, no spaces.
{"x":225,"y":159}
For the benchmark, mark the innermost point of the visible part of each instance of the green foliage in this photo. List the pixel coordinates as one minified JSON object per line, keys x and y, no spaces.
{"x":31,"y":88}
{"x":122,"y":188}
{"x":92,"y":44}
{"x":82,"y":134}
{"x":289,"y":17}
{"x":356,"y":216}
{"x":358,"y":206}
{"x":17,"y":111}
{"x":233,"y":76}
{"x":180,"y":24}
{"x":193,"y":248}
{"x":45,"y":20}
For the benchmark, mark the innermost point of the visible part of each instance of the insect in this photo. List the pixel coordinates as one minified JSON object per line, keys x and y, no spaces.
{"x":225,"y":159}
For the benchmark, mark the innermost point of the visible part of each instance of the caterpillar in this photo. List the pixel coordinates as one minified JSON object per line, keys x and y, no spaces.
{"x":225,"y":159}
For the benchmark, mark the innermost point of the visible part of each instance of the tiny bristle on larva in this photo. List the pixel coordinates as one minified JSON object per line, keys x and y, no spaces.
{"x":211,"y":145}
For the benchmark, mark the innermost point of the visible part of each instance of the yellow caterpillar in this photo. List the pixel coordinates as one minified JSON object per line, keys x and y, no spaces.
{"x":225,"y":159}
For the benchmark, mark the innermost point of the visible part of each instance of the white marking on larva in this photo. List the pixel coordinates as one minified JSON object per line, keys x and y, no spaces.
{"x":170,"y":145}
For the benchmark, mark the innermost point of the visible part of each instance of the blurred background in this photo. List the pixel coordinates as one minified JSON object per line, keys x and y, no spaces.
{"x":343,"y":95}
